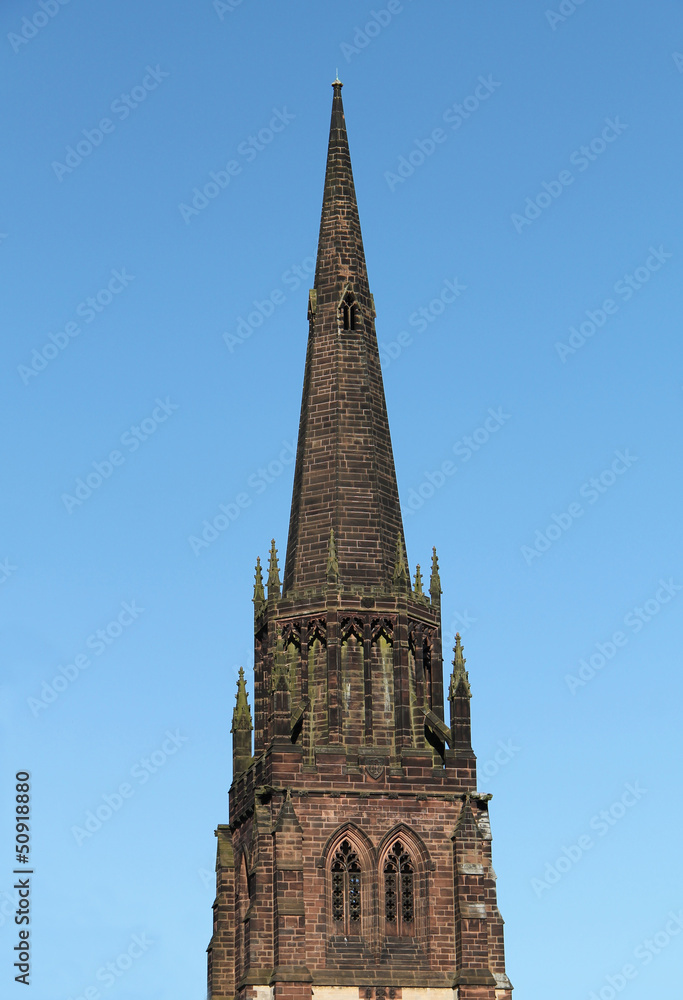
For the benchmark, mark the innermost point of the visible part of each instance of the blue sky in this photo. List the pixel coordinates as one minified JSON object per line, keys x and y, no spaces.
{"x":542,"y":461}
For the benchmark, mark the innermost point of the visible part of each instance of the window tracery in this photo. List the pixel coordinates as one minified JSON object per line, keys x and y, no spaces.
{"x":399,"y":897}
{"x":346,"y":889}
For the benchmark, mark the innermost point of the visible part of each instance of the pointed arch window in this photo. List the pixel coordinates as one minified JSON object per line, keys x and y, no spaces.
{"x":346,"y":890}
{"x":349,"y":313}
{"x":399,"y":895}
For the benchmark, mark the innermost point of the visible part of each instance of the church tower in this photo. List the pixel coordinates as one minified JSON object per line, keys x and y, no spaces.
{"x":357,"y":860}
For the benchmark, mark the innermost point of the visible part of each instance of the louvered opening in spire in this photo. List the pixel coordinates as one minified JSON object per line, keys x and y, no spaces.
{"x":344,"y":479}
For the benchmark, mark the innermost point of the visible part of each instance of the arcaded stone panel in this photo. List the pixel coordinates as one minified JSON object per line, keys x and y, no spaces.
{"x":315,"y":727}
{"x":344,"y":474}
{"x":437,"y":672}
{"x":352,"y":691}
{"x":382,"y":678}
{"x":333,"y":679}
{"x":353,"y":664}
{"x":260,"y":642}
{"x":402,"y":706}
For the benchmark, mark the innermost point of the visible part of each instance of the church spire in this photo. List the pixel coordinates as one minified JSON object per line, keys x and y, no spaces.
{"x":344,"y":478}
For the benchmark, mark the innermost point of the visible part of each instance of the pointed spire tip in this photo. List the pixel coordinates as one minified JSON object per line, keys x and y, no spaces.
{"x":459,"y":675}
{"x":273,"y":582}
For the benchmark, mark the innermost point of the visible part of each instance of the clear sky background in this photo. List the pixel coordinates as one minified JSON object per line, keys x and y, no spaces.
{"x":531,"y":604}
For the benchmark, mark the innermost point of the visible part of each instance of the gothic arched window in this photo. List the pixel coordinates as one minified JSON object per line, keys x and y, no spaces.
{"x":399,"y":898}
{"x":348,"y":313}
{"x":346,"y":888}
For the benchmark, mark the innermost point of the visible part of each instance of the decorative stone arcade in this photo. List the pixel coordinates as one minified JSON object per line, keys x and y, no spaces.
{"x":357,"y":860}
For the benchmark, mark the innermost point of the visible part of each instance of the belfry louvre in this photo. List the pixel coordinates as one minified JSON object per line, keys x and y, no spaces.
{"x":357,"y":860}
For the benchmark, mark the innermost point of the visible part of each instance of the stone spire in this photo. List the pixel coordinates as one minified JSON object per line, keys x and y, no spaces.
{"x":273,"y":573}
{"x":259,"y":594}
{"x":459,"y":695}
{"x":459,"y":678}
{"x":340,"y":243}
{"x":241,"y":728}
{"x":344,"y":477}
{"x":435,"y":580}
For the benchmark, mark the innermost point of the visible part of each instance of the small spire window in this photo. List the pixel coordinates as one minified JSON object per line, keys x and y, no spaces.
{"x":349,"y":312}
